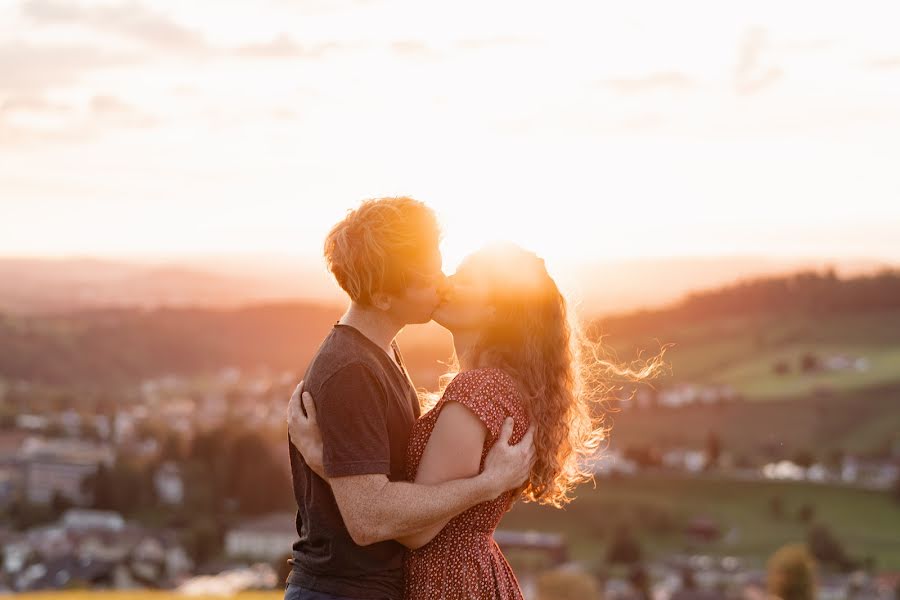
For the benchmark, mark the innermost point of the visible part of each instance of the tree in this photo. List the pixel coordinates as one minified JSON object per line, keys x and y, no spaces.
{"x":713,"y":450}
{"x":624,"y":547}
{"x":123,"y":487}
{"x":640,"y":582}
{"x":806,"y":513}
{"x":792,"y":573}
{"x":809,"y":362}
{"x":100,"y":488}
{"x":204,"y":539}
{"x":256,"y":480}
{"x":644,"y":456}
{"x":803,"y":458}
{"x":827,"y":549}
{"x":172,"y":447}
{"x":60,"y":503}
{"x":776,"y":507}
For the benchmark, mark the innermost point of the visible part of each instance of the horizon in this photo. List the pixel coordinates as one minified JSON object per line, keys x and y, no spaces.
{"x":598,"y":288}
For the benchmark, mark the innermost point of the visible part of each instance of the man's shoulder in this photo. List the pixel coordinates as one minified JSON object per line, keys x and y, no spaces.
{"x":341,"y":356}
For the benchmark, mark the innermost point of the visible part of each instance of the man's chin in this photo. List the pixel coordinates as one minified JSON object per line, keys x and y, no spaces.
{"x":424,"y":319}
{"x":438,"y":317}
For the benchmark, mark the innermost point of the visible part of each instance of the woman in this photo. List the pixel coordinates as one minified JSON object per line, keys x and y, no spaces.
{"x":518,"y":357}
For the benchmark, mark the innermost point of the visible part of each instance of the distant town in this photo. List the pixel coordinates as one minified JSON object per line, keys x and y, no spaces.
{"x":136,"y":493}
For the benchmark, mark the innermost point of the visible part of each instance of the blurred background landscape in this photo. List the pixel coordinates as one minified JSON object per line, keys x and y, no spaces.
{"x":714,"y":178}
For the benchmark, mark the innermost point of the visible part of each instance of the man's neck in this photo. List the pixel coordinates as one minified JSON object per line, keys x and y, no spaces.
{"x":373,"y":324}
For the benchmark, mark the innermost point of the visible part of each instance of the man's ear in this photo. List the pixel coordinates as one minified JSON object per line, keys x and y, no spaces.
{"x":382,"y":301}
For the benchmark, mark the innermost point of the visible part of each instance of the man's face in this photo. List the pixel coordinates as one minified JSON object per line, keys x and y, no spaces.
{"x":423,"y":295}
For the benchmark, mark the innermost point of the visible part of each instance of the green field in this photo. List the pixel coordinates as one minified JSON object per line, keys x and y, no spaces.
{"x":864,"y":421}
{"x":818,"y":412}
{"x":658,"y":507}
{"x":742,"y":351}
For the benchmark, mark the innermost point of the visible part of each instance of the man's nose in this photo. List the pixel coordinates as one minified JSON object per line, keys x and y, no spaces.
{"x":443,"y":285}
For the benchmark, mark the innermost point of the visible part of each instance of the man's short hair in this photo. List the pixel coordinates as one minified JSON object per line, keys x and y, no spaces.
{"x":380,"y":245}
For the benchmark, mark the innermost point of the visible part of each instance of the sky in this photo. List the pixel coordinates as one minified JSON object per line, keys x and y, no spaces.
{"x":581,"y":130}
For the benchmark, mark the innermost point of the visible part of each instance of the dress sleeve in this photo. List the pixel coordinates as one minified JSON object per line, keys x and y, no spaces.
{"x":492,"y":396}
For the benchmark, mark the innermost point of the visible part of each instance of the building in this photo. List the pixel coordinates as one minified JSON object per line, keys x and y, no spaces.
{"x":169,"y":484}
{"x":52,"y":467}
{"x":266,"y":538}
{"x":93,"y":519}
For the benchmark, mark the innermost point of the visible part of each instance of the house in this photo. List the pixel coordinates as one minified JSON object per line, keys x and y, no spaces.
{"x":77,"y":519}
{"x":168,"y":484}
{"x":93,"y":548}
{"x":53,"y":467}
{"x":10,"y":485}
{"x":552,"y":545}
{"x":266,"y":538}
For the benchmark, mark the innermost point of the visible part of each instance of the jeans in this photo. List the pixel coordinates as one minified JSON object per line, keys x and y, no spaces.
{"x":295,"y":592}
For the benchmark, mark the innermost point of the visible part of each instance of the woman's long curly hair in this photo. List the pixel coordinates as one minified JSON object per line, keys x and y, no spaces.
{"x":565,"y":379}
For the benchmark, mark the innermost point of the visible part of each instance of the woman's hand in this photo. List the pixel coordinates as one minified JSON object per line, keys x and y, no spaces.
{"x":304,"y":429}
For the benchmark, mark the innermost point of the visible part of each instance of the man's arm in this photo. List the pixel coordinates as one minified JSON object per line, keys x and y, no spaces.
{"x":453,"y":451}
{"x":375,"y":509}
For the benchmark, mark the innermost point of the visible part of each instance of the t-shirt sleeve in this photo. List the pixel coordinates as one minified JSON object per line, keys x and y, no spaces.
{"x":351,"y":410}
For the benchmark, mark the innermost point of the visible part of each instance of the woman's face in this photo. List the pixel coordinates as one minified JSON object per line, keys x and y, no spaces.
{"x":466,"y":303}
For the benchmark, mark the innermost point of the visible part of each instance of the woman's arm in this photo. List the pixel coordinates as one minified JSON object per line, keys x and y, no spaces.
{"x":453,"y":452}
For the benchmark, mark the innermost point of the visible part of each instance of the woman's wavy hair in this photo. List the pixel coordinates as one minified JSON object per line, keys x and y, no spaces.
{"x":565,"y":379}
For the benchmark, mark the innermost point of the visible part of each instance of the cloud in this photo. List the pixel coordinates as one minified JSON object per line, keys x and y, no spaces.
{"x":284,"y":46}
{"x":885,"y":62}
{"x":754,"y":71}
{"x":809,"y":45}
{"x":650,"y":83}
{"x":31,"y":103}
{"x":129,"y":19}
{"x":592,"y":123}
{"x":750,"y":86}
{"x":103,"y":104}
{"x":32,"y":69}
{"x":493,"y":42}
{"x":30,"y":119}
{"x":414,"y":49}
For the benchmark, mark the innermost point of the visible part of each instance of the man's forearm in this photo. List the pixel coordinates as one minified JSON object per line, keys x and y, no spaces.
{"x":401,"y":509}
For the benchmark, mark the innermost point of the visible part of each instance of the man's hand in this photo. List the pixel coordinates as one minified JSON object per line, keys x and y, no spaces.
{"x":304,"y":429}
{"x":507,"y":467}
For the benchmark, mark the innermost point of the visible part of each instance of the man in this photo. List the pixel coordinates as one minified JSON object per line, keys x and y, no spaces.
{"x":385,"y":255}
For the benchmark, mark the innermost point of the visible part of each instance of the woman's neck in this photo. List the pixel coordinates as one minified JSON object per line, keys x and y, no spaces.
{"x":464,"y":345}
{"x":374,"y":324}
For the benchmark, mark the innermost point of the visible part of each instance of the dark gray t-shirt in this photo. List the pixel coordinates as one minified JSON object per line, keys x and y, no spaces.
{"x":366,"y":407}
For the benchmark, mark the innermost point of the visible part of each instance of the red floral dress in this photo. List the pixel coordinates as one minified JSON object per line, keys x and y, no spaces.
{"x":463,"y":561}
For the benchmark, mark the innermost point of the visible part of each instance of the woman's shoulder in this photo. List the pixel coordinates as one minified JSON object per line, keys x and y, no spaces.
{"x":488,"y":381}
{"x":491,"y":394}
{"x":485,"y":390}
